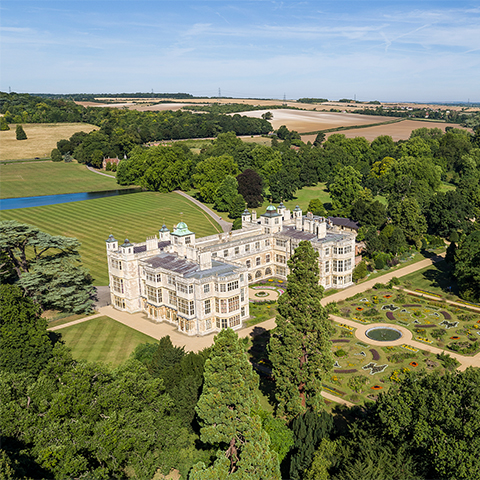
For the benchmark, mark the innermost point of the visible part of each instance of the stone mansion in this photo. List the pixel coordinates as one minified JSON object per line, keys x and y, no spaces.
{"x":201,"y":285}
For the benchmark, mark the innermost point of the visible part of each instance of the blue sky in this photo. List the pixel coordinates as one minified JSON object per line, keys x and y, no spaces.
{"x":374,"y":50}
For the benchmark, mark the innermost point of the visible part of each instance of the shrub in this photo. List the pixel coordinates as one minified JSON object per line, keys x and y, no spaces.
{"x":370,"y":312}
{"x":393,"y":281}
{"x":358,"y":382}
{"x":341,"y":353}
{"x":20,"y":133}
{"x":360,"y":271}
{"x":379,"y":286}
{"x":447,"y":361}
{"x":56,"y":156}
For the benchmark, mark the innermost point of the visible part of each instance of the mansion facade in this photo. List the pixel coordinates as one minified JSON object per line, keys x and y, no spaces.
{"x":200,"y":285}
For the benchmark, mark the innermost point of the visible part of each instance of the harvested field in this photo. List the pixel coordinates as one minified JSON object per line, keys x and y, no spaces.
{"x":398,"y":131}
{"x":303,"y":121}
{"x":41,"y":139}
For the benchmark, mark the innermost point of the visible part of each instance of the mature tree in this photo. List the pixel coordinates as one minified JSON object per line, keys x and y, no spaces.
{"x":237,"y":208}
{"x":250,"y":186}
{"x":300,"y":349}
{"x":226,"y":194}
{"x":360,"y":271}
{"x":467,"y":267}
{"x":308,"y":430}
{"x":345,"y":189}
{"x":409,"y":218}
{"x":24,"y":342}
{"x":227,"y":412}
{"x":56,"y":156}
{"x":48,"y":266}
{"x":316,"y":207}
{"x":282,"y":186}
{"x":4,"y":124}
{"x":20,"y":133}
{"x":211,"y":172}
{"x":368,"y":212}
{"x":267,"y":115}
{"x":319,"y":139}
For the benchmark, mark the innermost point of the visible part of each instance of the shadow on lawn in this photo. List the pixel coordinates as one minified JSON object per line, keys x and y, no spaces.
{"x":439,"y":276}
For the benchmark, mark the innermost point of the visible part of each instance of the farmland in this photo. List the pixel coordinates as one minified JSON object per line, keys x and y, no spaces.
{"x":47,"y":178}
{"x":135,"y":216}
{"x":41,"y":139}
{"x":398,"y":130}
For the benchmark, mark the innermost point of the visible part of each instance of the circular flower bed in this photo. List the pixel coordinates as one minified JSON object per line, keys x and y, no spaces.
{"x":359,"y":309}
{"x":413,"y":364}
{"x":261,"y":294}
{"x":377,"y":387}
{"x":387,"y":296}
{"x":455,"y":337}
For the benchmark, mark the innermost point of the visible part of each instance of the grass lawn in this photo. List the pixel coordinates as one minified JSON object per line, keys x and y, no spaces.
{"x":41,"y":139}
{"x":103,"y":340}
{"x":434,"y":279}
{"x":135,"y":216}
{"x":50,"y":178}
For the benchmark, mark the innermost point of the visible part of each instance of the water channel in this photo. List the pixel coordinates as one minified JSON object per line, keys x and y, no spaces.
{"x":27,"y":202}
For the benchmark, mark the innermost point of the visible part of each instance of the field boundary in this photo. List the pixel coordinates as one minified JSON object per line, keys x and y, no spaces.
{"x":354,"y":127}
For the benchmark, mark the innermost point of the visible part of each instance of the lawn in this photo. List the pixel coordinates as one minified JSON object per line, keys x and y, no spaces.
{"x":41,"y":139}
{"x":102,"y":339}
{"x":302,"y":197}
{"x":49,"y":178}
{"x":135,"y":216}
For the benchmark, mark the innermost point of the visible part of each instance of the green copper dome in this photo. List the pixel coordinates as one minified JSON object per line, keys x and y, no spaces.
{"x":271,"y":208}
{"x":181,"y":230}
{"x":164,"y":228}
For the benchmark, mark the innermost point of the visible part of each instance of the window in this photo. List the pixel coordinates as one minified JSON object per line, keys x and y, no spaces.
{"x":258,"y":274}
{"x":207,"y":307}
{"x":224,"y":322}
{"x":172,"y":298}
{"x":247,"y":248}
{"x":267,"y":230}
{"x":188,"y":240}
{"x":233,"y":304}
{"x":348,"y":249}
{"x":242,"y":295}
{"x":186,"y":306}
{"x":276,"y":221}
{"x":225,"y":253}
{"x":250,"y":278}
{"x":117,"y":284}
{"x":327,"y":251}
{"x":234,"y":321}
{"x":280,"y":259}
{"x":217,"y":306}
{"x":327,"y":266}
{"x":223,"y":287}
{"x":281,"y":271}
{"x":232,"y":286}
{"x":338,"y":265}
{"x":182,"y":288}
{"x":248,"y":263}
{"x":152,"y":277}
{"x":268,"y":271}
{"x":338,"y":250}
{"x":206,"y":288}
{"x":237,"y":250}
{"x":348,"y":264}
{"x":243,"y":311}
{"x":257,"y":261}
{"x":216,"y":287}
{"x":223,"y":305}
{"x":267,"y":242}
{"x":267,"y":258}
{"x":170,"y":280}
{"x":257,"y":245}
{"x":119,"y":302}
{"x":208,"y":324}
{"x":266,"y":221}
{"x":116,"y":263}
{"x":154,"y":294}
{"x":348,"y":278}
{"x":241,"y":277}
{"x":280,"y":243}
{"x":214,"y":255}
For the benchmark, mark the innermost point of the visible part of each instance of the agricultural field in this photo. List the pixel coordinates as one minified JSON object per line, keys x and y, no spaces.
{"x":49,"y":178}
{"x":309,"y":121}
{"x":41,"y":139}
{"x":398,"y":130}
{"x":135,"y":216}
{"x":103,"y":339}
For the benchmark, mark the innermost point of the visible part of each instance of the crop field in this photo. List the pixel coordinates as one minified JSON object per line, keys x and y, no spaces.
{"x":309,"y":121}
{"x":398,"y":131}
{"x":102,"y":339}
{"x":41,"y":139}
{"x":49,"y":178}
{"x":135,"y":216}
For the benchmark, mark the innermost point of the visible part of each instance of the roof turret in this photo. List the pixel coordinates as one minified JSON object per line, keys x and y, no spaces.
{"x":127,"y":243}
{"x":181,"y":230}
{"x":110,"y":239}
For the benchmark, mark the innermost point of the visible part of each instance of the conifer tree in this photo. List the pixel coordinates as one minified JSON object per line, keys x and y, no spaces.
{"x":227,"y":415}
{"x":300,"y":349}
{"x":20,"y":133}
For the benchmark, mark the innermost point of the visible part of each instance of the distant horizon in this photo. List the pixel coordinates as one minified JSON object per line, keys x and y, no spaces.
{"x":410,"y":50}
{"x":420,"y":102}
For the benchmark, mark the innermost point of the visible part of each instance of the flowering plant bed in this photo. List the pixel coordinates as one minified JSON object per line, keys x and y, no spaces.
{"x":375,"y":354}
{"x":352,"y":370}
